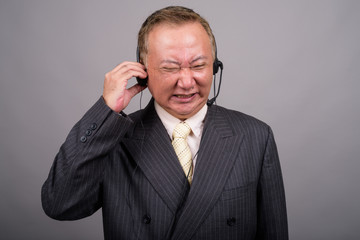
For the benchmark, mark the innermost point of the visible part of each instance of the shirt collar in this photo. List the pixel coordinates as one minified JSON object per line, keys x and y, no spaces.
{"x":195,"y":122}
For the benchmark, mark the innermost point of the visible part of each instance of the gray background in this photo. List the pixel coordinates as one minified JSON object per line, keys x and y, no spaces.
{"x":293,"y":64}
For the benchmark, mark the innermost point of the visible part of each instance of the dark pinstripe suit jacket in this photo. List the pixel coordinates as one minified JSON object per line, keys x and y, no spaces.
{"x":127,"y":167}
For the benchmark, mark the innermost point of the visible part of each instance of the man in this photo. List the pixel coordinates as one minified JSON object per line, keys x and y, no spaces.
{"x":228,"y":187}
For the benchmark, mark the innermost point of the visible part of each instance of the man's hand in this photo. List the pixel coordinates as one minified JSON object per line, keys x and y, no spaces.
{"x":115,"y":93}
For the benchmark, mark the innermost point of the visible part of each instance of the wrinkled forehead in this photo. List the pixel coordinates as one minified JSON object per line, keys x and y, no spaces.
{"x":171,"y":25}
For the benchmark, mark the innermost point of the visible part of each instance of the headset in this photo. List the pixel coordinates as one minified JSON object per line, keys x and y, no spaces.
{"x":216,"y":65}
{"x":141,"y":81}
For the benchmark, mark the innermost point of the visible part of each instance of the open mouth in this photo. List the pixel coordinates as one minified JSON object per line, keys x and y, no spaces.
{"x":185,"y":96}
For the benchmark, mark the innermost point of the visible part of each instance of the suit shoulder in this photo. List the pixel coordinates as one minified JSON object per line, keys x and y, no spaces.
{"x":239,"y":120}
{"x":144,"y":113}
{"x":135,"y":116}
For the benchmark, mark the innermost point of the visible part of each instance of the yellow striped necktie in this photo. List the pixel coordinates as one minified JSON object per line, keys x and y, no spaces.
{"x":182,"y":150}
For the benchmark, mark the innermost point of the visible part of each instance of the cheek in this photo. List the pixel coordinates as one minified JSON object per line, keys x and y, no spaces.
{"x":160,"y":84}
{"x":204,"y":79}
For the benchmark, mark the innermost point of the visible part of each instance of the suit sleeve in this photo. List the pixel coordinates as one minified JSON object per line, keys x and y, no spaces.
{"x":73,"y":187}
{"x":272,"y":216}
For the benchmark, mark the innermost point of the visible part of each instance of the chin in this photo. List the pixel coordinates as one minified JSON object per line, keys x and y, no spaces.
{"x":186,"y":114}
{"x":185,"y":110}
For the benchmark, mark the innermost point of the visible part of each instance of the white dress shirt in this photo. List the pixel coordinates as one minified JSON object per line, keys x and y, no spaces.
{"x":196,"y":123}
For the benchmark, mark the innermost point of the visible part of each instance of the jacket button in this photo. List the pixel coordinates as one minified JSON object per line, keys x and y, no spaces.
{"x":93,"y":126}
{"x":83,"y":139}
{"x":88,"y":132}
{"x":146,"y":219}
{"x":231,"y":221}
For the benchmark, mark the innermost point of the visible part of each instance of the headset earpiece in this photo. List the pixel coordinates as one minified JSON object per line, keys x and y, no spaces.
{"x":216,"y":65}
{"x":141,"y":81}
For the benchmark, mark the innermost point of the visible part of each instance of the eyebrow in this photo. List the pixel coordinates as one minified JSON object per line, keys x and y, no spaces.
{"x":178,"y":63}
{"x":198,"y":58}
{"x":170,"y":61}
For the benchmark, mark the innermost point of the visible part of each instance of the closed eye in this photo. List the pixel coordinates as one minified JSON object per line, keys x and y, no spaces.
{"x":198,"y":67}
{"x":170,"y":69}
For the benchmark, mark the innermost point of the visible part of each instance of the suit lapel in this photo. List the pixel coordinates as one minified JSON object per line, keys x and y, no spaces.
{"x":218,"y":150}
{"x":151,"y":148}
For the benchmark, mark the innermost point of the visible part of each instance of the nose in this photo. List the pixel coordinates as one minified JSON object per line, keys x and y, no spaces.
{"x":186,"y":78}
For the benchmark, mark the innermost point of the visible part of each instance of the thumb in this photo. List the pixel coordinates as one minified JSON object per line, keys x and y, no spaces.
{"x":135,"y":90}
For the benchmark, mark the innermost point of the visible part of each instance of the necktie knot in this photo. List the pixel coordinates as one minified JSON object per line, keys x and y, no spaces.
{"x":182,"y":130}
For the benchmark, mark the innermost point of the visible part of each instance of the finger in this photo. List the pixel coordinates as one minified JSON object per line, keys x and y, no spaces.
{"x":135,"y":90}
{"x":129,"y":73}
{"x":128,"y":65}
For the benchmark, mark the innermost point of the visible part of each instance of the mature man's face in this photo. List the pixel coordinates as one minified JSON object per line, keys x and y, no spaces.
{"x":180,"y":66}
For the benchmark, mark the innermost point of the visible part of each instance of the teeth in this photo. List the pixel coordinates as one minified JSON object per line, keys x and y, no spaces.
{"x":183,"y":96}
